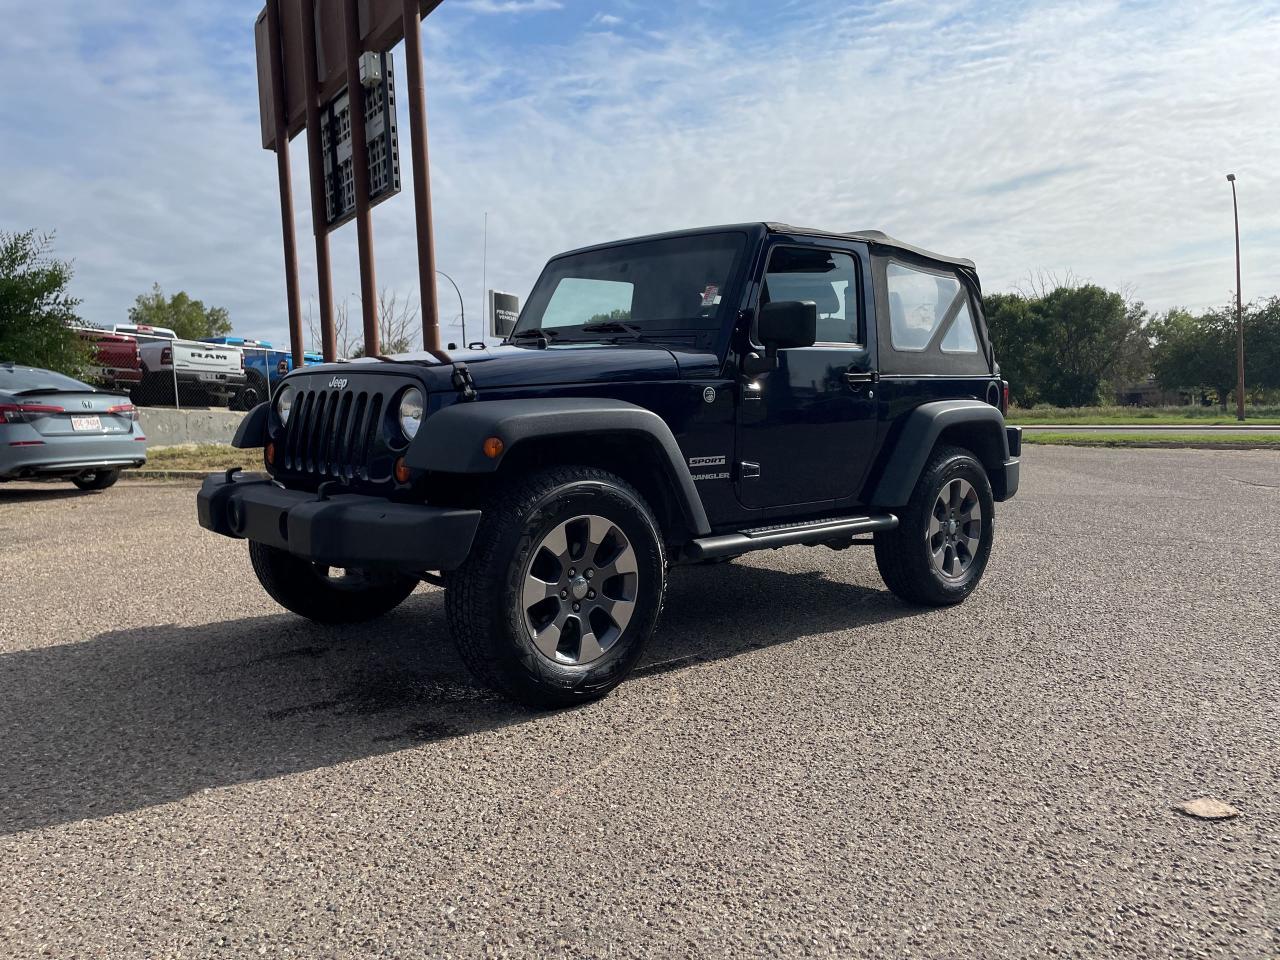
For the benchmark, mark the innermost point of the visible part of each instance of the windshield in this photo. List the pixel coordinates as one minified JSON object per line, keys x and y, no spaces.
{"x":657,"y":287}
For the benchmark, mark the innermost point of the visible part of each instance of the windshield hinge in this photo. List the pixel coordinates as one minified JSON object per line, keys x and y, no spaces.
{"x":462,"y":381}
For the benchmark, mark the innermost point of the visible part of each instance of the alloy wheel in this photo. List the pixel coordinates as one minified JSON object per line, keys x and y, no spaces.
{"x":955,"y":528}
{"x":579,"y":589}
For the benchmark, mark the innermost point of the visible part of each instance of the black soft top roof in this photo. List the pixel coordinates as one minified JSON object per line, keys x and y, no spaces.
{"x":876,"y":238}
{"x":873,"y":237}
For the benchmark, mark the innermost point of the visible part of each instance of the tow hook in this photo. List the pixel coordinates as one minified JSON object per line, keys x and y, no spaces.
{"x":322,"y":491}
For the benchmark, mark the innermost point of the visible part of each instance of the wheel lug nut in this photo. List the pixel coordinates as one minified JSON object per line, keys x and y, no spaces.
{"x":589,"y":574}
{"x":564,"y":594}
{"x":573,"y":572}
{"x":577,"y":607}
{"x":591,"y":594}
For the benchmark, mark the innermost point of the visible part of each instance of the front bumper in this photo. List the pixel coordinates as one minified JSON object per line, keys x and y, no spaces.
{"x":343,"y":530}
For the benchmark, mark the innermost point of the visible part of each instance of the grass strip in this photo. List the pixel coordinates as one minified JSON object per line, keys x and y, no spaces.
{"x":1200,"y":440}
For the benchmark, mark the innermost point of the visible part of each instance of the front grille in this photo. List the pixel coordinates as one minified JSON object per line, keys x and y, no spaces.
{"x":333,"y":433}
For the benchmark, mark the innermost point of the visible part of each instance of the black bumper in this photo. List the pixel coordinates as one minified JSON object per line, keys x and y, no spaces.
{"x":1006,"y":484}
{"x":344,"y":530}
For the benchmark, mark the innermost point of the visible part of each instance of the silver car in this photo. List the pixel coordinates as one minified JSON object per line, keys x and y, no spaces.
{"x":55,"y":428}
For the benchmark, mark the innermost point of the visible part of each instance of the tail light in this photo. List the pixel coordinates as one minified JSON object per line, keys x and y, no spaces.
{"x":25,"y":412}
{"x":1004,"y":397}
{"x":166,"y":355}
{"x":241,"y":362}
{"x":126,"y":410}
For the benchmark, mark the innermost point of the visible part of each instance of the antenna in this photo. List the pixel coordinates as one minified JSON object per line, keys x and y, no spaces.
{"x":484,"y":275}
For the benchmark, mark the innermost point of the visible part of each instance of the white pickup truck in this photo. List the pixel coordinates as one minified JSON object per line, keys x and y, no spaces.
{"x":206,"y":373}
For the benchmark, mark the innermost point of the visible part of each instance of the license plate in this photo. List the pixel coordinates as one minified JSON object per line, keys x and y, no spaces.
{"x":206,"y":377}
{"x":86,"y":423}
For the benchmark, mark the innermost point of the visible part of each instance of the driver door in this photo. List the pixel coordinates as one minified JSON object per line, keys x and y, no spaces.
{"x":807,"y":428}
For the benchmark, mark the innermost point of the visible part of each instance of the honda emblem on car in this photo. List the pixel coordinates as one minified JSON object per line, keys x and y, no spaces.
{"x":338,"y":383}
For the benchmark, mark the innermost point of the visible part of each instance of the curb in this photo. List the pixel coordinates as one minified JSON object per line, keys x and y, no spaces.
{"x":192,"y":475}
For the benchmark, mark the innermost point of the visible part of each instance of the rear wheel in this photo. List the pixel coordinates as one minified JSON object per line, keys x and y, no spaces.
{"x":96,"y":479}
{"x":938,"y":552}
{"x":327,"y":594}
{"x":562,"y":588}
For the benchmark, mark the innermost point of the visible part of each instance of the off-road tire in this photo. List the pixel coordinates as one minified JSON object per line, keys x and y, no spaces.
{"x":483,"y":596}
{"x":96,"y":480}
{"x":296,"y":585}
{"x":903,"y":554}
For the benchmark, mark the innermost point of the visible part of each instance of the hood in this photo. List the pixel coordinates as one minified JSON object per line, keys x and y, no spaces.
{"x":510,"y":366}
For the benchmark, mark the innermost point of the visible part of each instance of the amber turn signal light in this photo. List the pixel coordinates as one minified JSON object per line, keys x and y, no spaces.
{"x":402,"y":471}
{"x":271,"y":454}
{"x":493,"y":447}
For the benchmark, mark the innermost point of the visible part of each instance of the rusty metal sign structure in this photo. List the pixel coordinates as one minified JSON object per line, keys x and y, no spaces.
{"x":309,"y":55}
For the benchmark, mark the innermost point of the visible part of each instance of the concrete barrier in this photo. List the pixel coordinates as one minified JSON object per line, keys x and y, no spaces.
{"x":165,"y":427}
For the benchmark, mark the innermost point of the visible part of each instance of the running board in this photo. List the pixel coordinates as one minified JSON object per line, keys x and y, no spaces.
{"x":787,"y":534}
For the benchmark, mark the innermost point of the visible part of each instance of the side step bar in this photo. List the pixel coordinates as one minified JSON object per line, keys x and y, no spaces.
{"x":787,"y":534}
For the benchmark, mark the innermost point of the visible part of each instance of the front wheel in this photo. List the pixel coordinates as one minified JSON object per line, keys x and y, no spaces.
{"x":936,"y":555}
{"x":562,"y":588}
{"x":327,"y":594}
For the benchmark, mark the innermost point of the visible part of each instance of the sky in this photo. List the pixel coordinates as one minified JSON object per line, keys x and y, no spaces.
{"x":1087,"y":139}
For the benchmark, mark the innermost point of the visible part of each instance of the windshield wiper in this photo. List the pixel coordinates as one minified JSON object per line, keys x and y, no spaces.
{"x":614,"y":326}
{"x":534,"y":332}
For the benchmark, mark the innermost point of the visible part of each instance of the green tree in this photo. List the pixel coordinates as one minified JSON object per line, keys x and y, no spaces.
{"x":1011,"y":326}
{"x":36,"y":310}
{"x":1198,"y":351}
{"x":189,"y":319}
{"x":1065,"y":345}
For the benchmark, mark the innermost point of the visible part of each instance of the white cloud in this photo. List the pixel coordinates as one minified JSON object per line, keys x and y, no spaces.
{"x":511,"y":6}
{"x":1088,"y":137}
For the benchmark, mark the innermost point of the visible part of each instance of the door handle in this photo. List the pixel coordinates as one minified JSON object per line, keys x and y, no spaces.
{"x":858,"y":377}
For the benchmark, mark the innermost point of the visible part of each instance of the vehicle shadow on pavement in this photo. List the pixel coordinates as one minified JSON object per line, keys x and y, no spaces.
{"x":144,"y":716}
{"x":32,"y":495}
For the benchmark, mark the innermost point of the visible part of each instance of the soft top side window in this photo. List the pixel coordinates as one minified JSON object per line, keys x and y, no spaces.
{"x":920,"y":302}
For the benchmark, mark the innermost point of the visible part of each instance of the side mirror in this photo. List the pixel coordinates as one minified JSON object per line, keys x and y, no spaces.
{"x":787,"y":324}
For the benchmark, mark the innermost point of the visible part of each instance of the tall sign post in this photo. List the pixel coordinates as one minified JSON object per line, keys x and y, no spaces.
{"x":315,"y":167}
{"x":276,"y":60}
{"x":324,"y":66}
{"x":421,"y":175}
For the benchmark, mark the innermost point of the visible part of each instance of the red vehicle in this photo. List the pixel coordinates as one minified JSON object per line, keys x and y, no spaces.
{"x":117,"y":361}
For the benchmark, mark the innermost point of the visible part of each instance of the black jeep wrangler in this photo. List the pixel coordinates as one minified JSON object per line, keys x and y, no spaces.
{"x":681,"y":398}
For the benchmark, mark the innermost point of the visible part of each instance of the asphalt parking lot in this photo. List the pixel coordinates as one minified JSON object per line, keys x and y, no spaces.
{"x":804,"y":767}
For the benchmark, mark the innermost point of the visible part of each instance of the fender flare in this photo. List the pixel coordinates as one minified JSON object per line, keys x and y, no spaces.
{"x":252,"y":431}
{"x":919,"y":435}
{"x":451,"y":440}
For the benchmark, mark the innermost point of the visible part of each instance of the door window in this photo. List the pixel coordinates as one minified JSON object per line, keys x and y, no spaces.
{"x":827,"y":278}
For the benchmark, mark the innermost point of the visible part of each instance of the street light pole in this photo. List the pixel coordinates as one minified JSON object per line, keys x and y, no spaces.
{"x":1235,"y":209}
{"x":461,"y":306}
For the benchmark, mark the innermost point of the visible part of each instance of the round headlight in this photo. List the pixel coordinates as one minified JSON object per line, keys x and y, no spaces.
{"x":284,"y":402}
{"x":411,"y":412}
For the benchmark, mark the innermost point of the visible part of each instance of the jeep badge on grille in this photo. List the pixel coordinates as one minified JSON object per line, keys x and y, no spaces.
{"x":338,"y":383}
